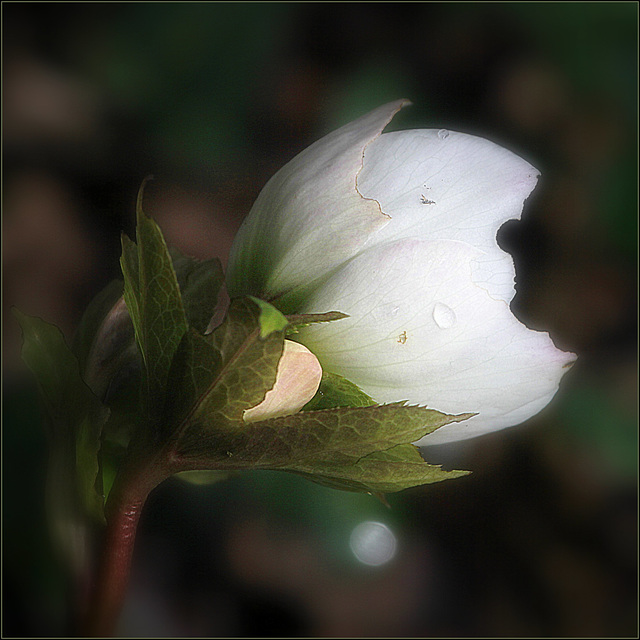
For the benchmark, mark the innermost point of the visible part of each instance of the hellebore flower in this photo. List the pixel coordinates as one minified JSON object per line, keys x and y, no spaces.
{"x":398,"y":230}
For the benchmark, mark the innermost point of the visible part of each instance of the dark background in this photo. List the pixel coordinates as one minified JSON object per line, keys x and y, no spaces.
{"x":212,"y":99}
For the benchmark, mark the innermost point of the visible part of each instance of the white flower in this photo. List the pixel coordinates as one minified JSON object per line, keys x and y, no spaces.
{"x":399,"y":231}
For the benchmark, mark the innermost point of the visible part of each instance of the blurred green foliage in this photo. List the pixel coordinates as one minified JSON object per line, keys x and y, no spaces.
{"x":594,"y":43}
{"x":595,"y":422}
{"x":187,"y":71}
{"x":219,"y":89}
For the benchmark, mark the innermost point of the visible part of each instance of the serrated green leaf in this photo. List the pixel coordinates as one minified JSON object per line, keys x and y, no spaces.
{"x":74,"y":414}
{"x":335,"y":391}
{"x":218,"y":377}
{"x":408,"y":453}
{"x":152,"y":296}
{"x":387,"y":471}
{"x":200,"y":282}
{"x":342,"y":436}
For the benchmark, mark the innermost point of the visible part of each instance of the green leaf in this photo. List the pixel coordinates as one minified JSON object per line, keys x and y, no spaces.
{"x":342,"y":436}
{"x":105,"y":342}
{"x":152,"y":296}
{"x":218,"y":377}
{"x":247,"y":319}
{"x":75,"y":415}
{"x":335,"y":391}
{"x":194,"y":371}
{"x":387,"y":471}
{"x":200,"y":283}
{"x":129,"y":265}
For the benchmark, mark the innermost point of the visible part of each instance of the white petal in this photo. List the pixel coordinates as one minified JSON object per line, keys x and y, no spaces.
{"x":309,"y":217}
{"x":421,"y":330}
{"x":297,"y":380}
{"x":446,"y":185}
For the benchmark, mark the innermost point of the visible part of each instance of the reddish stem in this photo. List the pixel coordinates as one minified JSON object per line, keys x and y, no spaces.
{"x":123,"y":514}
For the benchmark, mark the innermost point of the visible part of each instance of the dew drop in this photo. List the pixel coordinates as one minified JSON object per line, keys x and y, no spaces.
{"x":443,"y":134}
{"x":394,"y":311}
{"x":444,"y":316}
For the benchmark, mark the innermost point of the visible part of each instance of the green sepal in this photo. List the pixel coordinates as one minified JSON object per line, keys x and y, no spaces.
{"x":74,"y":414}
{"x":299,"y":320}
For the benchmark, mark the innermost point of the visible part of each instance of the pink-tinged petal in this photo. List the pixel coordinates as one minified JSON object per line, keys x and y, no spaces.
{"x":297,"y":380}
{"x":421,"y":329}
{"x":309,"y":217}
{"x":443,"y":185}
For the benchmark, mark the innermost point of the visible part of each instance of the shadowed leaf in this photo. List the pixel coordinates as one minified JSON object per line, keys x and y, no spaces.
{"x":218,"y":377}
{"x":387,"y":471}
{"x":200,"y":282}
{"x":152,"y":296}
{"x":74,"y":415}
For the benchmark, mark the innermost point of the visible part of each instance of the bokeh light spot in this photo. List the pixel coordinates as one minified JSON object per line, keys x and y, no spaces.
{"x":373,"y":543}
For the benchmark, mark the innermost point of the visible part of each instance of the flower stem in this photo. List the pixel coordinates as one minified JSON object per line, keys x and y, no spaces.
{"x":123,"y":509}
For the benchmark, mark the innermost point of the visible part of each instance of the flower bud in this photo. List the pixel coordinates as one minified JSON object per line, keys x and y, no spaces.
{"x":297,"y":380}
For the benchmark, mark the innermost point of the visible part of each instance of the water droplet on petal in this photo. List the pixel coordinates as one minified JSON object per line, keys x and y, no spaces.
{"x":443,"y":134}
{"x":444,"y":316}
{"x":394,"y":311}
